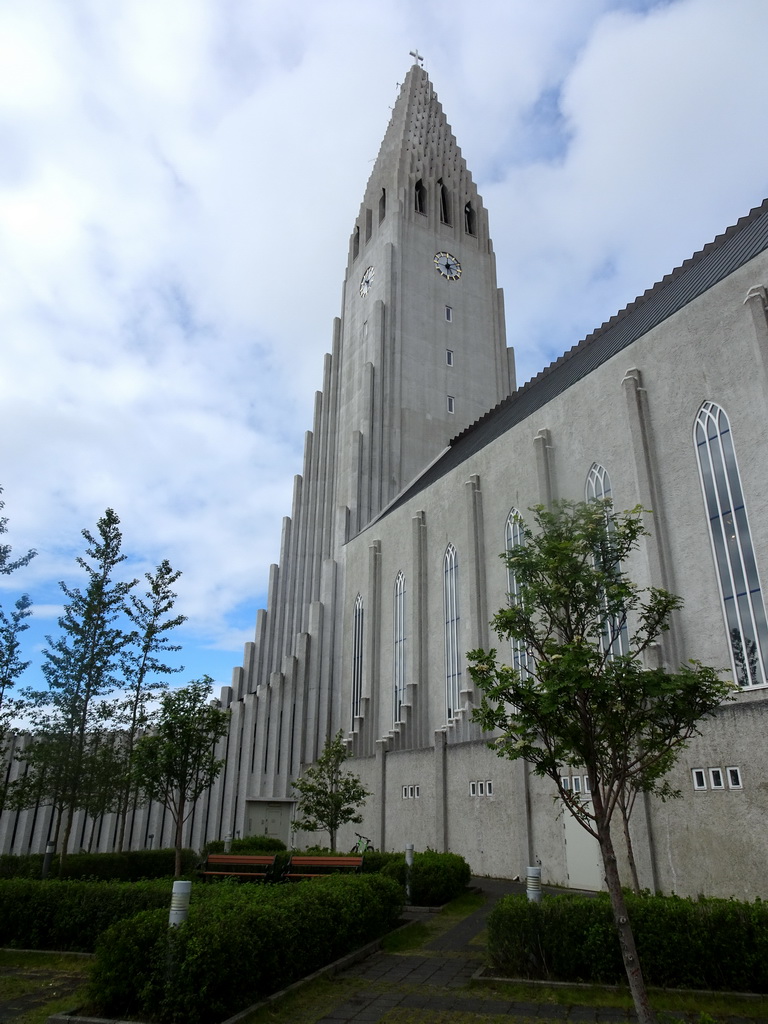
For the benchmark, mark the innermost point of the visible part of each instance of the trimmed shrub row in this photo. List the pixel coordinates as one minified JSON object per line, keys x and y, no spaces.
{"x":236,"y":947}
{"x":682,"y":943}
{"x":436,"y":878}
{"x":70,"y":915}
{"x":250,"y":844}
{"x":126,"y":867}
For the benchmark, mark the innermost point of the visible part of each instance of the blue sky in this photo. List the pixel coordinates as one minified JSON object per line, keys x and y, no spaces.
{"x":178,"y":182}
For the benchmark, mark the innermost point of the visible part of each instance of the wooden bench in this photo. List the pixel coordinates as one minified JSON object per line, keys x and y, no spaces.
{"x":247,"y":867}
{"x":315,"y":867}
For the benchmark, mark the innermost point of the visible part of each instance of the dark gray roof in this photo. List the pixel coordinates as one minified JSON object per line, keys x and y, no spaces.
{"x":721,"y":257}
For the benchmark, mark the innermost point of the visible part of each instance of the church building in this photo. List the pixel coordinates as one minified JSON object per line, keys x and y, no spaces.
{"x":424,"y":459}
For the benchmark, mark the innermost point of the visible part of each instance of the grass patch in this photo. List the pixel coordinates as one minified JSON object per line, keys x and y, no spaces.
{"x":307,"y":1004}
{"x":41,"y":983}
{"x":405,"y":939}
{"x":463,"y":905}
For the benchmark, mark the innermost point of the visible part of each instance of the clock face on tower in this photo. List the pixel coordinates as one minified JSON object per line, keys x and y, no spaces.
{"x":365,"y":281}
{"x":448,"y":266}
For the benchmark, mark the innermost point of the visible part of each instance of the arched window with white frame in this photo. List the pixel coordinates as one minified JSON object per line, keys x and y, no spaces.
{"x":398,"y":649}
{"x":615,"y":634}
{"x":514,"y":537}
{"x":452,"y":647}
{"x":357,"y":657}
{"x":731,"y":539}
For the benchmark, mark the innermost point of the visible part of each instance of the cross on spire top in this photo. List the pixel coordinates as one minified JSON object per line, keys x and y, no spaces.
{"x":416,"y":56}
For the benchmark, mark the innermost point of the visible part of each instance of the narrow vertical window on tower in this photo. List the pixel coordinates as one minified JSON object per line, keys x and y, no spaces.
{"x":357,"y":658}
{"x":398,"y":652}
{"x":445,"y":204}
{"x":615,"y":634}
{"x":469,"y":219}
{"x":382,"y":205}
{"x":420,"y":197}
{"x":356,"y":243}
{"x":452,"y":644}
{"x":368,"y":225}
{"x":514,"y":536}
{"x":731,"y":539}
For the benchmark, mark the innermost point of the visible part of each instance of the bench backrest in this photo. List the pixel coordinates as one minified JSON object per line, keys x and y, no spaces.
{"x":248,"y":859}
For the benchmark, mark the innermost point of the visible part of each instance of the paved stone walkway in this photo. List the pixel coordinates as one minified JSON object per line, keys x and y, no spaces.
{"x":449,"y":962}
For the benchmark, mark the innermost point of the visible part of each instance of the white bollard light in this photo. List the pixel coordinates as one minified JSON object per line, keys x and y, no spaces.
{"x":179,"y":903}
{"x":533,"y":884}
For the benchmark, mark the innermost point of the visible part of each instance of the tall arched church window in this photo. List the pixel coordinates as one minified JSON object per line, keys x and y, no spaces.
{"x":357,"y":657}
{"x":514,"y":536}
{"x":615,"y":634}
{"x":398,"y":651}
{"x":452,"y":647}
{"x":420,"y":197}
{"x":743,"y":605}
{"x":470,"y":219}
{"x":445,"y":204}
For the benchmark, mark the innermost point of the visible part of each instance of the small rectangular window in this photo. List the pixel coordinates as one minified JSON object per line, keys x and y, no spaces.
{"x":716,"y":778}
{"x":565,"y":782}
{"x":481,"y":789}
{"x":489,"y":788}
{"x":416,"y":792}
{"x":410,"y":792}
{"x":587,"y":787}
{"x":576,"y":783}
{"x":449,"y":314}
{"x":449,"y":357}
{"x":734,"y":778}
{"x":450,"y":403}
{"x":473,"y":789}
{"x":699,"y":778}
{"x":405,"y":792}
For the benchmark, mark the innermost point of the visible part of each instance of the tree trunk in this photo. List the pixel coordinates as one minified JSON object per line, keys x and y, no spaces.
{"x":625,"y":813}
{"x":645,"y":1014}
{"x":179,"y":838}
{"x":332,"y":834}
{"x":65,"y":840}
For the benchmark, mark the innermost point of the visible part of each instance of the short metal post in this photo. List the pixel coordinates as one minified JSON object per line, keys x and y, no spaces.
{"x":50,"y":846}
{"x":533,"y":883}
{"x":150,"y":837}
{"x":408,"y":868}
{"x":228,"y":843}
{"x":179,"y":903}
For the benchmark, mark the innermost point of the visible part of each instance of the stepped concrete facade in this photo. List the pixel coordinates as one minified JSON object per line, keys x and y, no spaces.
{"x":422,"y":459}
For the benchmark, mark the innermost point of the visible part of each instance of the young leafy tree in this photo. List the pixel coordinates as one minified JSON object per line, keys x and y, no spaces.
{"x":328,"y":796}
{"x":142,"y":665}
{"x":177,"y":762}
{"x":583,"y":705}
{"x":81,"y":671}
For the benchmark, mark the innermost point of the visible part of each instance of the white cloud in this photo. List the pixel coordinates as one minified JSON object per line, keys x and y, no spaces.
{"x":177,"y":189}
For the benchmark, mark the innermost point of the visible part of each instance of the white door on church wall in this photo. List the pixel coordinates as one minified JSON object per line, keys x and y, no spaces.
{"x":269,"y":818}
{"x":582,"y":851}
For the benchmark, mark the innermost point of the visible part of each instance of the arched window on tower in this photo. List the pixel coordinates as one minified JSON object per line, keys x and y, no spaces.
{"x":398,"y":648}
{"x":731,"y":538}
{"x":514,"y":536}
{"x":356,"y":242}
{"x":445,"y":204}
{"x":357,"y":658}
{"x":420,"y":197}
{"x":382,"y":205}
{"x":470,"y":225}
{"x":452,"y":644}
{"x":615,"y":634}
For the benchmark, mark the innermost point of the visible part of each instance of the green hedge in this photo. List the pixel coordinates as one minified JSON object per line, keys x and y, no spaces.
{"x":236,"y":947}
{"x":251,"y":844}
{"x":70,"y":915}
{"x":127,"y":867}
{"x":436,"y":878}
{"x":682,"y":943}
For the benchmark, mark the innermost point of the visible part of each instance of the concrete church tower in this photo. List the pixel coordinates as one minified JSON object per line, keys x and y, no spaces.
{"x":418,"y":355}
{"x":421,"y":346}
